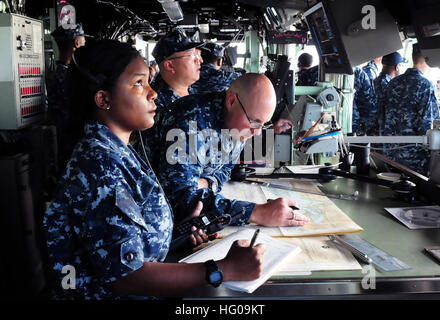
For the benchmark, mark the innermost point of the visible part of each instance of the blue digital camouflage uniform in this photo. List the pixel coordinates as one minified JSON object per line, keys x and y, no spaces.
{"x":371,"y":70}
{"x":410,"y":108}
{"x":165,"y":96}
{"x":108,"y":217}
{"x":380,"y":84}
{"x":58,"y":112}
{"x":364,"y":102}
{"x":197,"y":121}
{"x":212,"y":79}
{"x":57,"y":99}
{"x":307,"y":77}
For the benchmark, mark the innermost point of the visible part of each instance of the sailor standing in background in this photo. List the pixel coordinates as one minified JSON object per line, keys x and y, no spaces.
{"x":410,"y":109}
{"x":372,"y":69}
{"x":307,"y":75}
{"x":364,"y":103}
{"x":68,"y":40}
{"x":212,"y":76}
{"x":391,"y":68}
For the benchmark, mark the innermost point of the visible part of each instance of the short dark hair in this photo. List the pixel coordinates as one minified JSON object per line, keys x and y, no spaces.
{"x":305,"y":60}
{"x":94,"y":67}
{"x":388,"y":69}
{"x":418,"y":57}
{"x":64,"y":44}
{"x":208,"y":57}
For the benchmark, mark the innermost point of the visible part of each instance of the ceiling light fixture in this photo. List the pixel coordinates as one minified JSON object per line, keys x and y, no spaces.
{"x":172,"y":9}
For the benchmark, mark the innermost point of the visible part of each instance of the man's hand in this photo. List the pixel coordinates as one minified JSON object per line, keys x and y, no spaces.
{"x":278,"y":213}
{"x":282,"y":125}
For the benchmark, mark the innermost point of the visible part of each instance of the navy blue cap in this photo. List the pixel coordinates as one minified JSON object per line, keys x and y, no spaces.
{"x":392,"y":59}
{"x":173,"y":42}
{"x":214,"y":49}
{"x":305,"y":60}
{"x":68,"y":32}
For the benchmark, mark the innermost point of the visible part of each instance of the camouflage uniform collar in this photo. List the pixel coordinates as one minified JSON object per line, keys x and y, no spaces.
{"x":414,"y":71}
{"x":207,"y":66}
{"x":102,"y":133}
{"x":191,"y":90}
{"x":159,"y":84}
{"x":385,"y":75}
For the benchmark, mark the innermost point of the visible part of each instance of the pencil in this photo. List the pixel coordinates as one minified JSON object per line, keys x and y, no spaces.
{"x":254,"y":238}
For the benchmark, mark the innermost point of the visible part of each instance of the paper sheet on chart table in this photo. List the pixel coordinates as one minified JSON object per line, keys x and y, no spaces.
{"x":317,"y":254}
{"x":277,"y":253}
{"x":310,"y":169}
{"x":326,"y":218}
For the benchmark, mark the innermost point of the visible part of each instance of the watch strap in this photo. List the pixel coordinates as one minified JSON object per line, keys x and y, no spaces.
{"x":211,"y":267}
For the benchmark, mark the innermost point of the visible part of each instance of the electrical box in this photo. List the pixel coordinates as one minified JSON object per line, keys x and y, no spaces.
{"x":22,"y":83}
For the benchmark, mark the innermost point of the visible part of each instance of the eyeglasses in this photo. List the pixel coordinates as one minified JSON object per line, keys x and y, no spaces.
{"x":252,"y":123}
{"x":194,"y":55}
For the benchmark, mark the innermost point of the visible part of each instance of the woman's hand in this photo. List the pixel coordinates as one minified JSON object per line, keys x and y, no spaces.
{"x":242,"y":262}
{"x":198,"y":237}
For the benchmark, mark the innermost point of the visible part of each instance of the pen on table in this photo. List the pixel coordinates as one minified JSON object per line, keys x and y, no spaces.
{"x":365,"y":258}
{"x":254,"y":238}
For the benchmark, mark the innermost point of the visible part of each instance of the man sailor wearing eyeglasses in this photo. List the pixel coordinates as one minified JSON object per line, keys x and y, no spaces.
{"x":179,"y":61}
{"x":200,"y":142}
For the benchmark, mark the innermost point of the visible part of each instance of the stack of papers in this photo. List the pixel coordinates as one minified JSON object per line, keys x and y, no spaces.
{"x":277,"y":253}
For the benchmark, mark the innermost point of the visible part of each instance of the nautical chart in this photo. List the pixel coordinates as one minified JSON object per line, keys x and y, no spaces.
{"x":326,"y":217}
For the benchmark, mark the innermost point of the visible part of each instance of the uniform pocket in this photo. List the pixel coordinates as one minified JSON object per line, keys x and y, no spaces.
{"x":132,"y":253}
{"x":125,"y":202}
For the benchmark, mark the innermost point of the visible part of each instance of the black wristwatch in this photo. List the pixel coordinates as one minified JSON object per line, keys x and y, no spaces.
{"x":214,"y":276}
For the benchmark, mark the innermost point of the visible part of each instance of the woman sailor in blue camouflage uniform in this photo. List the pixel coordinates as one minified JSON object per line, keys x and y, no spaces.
{"x":110,"y":221}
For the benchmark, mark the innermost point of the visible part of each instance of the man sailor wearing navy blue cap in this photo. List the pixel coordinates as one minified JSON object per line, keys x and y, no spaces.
{"x":307,"y":75}
{"x":179,"y":60}
{"x":410,"y":109}
{"x":212,"y":76}
{"x":68,"y":39}
{"x":391,"y":68}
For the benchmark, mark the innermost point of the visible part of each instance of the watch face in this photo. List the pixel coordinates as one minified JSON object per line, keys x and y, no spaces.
{"x":215,"y":277}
